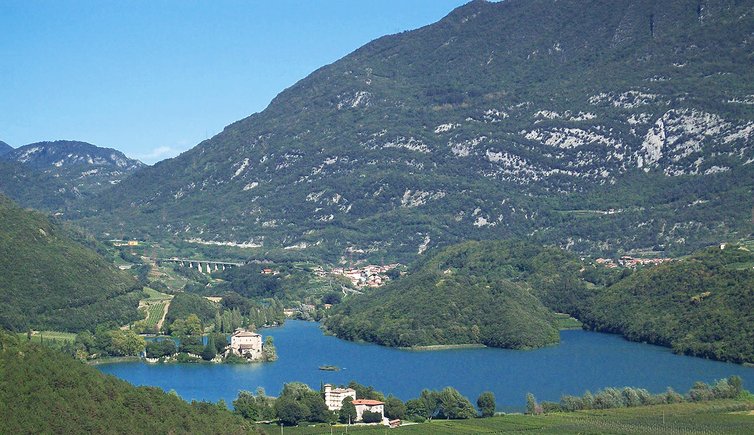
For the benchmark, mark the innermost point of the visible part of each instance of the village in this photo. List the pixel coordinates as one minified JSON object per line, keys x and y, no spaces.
{"x":366,"y":276}
{"x":630,"y":262}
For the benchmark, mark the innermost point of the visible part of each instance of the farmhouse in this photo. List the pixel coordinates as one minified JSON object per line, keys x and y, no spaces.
{"x":246,"y":344}
{"x":334,"y":396}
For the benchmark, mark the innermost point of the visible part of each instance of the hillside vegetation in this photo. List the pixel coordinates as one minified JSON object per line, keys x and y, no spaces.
{"x":504,"y":294}
{"x":472,"y":293}
{"x":631,"y":130}
{"x":46,"y":391}
{"x":51,"y":280}
{"x":702,"y":305}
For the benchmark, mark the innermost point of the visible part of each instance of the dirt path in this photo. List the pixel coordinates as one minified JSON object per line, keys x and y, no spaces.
{"x":164,"y":314}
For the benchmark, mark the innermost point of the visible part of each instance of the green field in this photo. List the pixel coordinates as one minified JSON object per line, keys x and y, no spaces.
{"x":565,"y":321}
{"x":719,"y":416}
{"x":50,"y":338}
{"x":155,"y":296}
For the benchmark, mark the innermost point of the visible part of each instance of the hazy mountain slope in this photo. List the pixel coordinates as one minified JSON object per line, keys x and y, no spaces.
{"x":80,"y":166}
{"x":51,"y":281}
{"x":475,"y":292}
{"x":31,"y":188}
{"x":510,"y":118}
{"x":5,"y":148}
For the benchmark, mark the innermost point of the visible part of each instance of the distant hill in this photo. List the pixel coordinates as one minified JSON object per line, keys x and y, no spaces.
{"x":5,"y":148}
{"x":46,"y":391}
{"x":472,"y":293}
{"x":601,"y":126}
{"x":52,"y":280}
{"x":81,"y":167}
{"x":702,"y":306}
{"x":33,"y":188}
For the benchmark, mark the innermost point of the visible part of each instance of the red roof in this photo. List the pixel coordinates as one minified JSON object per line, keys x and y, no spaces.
{"x":367,"y":402}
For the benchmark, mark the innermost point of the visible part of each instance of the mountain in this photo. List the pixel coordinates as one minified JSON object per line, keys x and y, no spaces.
{"x":46,"y":391}
{"x":472,"y":293}
{"x":702,"y":305}
{"x":32,"y":188}
{"x":80,"y":167}
{"x":53,"y":279}
{"x":5,"y":148}
{"x":597,"y":125}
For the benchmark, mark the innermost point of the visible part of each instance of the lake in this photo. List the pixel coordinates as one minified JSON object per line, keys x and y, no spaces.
{"x":582,"y":361}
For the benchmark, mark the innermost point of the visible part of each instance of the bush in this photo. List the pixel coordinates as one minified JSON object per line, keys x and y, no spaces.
{"x":161,"y":348}
{"x":371,"y":417}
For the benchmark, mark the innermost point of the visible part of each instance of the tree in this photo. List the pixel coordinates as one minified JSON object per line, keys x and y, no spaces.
{"x":126,"y":343}
{"x":453,"y":405}
{"x":531,"y":404}
{"x":290,"y":411}
{"x":269,"y":351}
{"x":371,"y":417}
{"x":209,"y":352}
{"x":431,"y":403}
{"x":161,"y":348}
{"x":347,"y":413}
{"x":256,"y":408}
{"x":486,"y":404}
{"x":332,"y":298}
{"x":394,"y":408}
{"x":416,"y":409}
{"x":366,"y":392}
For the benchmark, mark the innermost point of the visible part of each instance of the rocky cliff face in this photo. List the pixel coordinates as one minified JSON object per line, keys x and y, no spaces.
{"x":596,"y":125}
{"x":79,"y":167}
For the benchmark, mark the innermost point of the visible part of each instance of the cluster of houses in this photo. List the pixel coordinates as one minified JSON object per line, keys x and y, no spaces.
{"x":334,"y":400}
{"x":627,"y":261}
{"x":367,"y":276}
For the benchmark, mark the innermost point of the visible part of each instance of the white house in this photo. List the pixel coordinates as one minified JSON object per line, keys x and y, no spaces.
{"x":369,"y":405}
{"x":246,"y":343}
{"x":334,"y":396}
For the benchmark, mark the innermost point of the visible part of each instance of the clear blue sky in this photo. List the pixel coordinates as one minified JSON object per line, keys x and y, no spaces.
{"x":154,"y":78}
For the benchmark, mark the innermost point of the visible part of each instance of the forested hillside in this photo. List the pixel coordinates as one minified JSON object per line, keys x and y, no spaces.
{"x":46,"y":391}
{"x":495,"y":293}
{"x":702,"y":306}
{"x":472,"y":293}
{"x":632,"y":129}
{"x":50,"y":280}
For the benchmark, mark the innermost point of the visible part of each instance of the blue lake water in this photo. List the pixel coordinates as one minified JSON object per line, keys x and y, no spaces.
{"x":582,"y":361}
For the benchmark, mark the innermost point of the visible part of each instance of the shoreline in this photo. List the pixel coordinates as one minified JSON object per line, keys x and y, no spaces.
{"x":444,"y":347}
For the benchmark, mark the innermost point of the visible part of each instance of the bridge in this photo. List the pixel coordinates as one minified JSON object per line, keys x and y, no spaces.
{"x":207,"y":266}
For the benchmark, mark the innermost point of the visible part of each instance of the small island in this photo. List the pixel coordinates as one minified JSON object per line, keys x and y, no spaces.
{"x":329,"y":368}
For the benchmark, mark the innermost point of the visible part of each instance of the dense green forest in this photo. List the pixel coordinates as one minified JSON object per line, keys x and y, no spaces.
{"x":702,"y":305}
{"x":53,"y":279}
{"x":44,"y":391}
{"x":495,"y":293}
{"x":472,"y":293}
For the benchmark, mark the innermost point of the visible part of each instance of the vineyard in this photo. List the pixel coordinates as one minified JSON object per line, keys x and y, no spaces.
{"x":154,"y":308}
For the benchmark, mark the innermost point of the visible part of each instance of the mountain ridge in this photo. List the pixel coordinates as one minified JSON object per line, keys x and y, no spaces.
{"x":61,"y":171}
{"x":492,"y":122}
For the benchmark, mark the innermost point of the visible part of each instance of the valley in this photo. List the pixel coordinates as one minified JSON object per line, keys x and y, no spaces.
{"x":548,"y":206}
